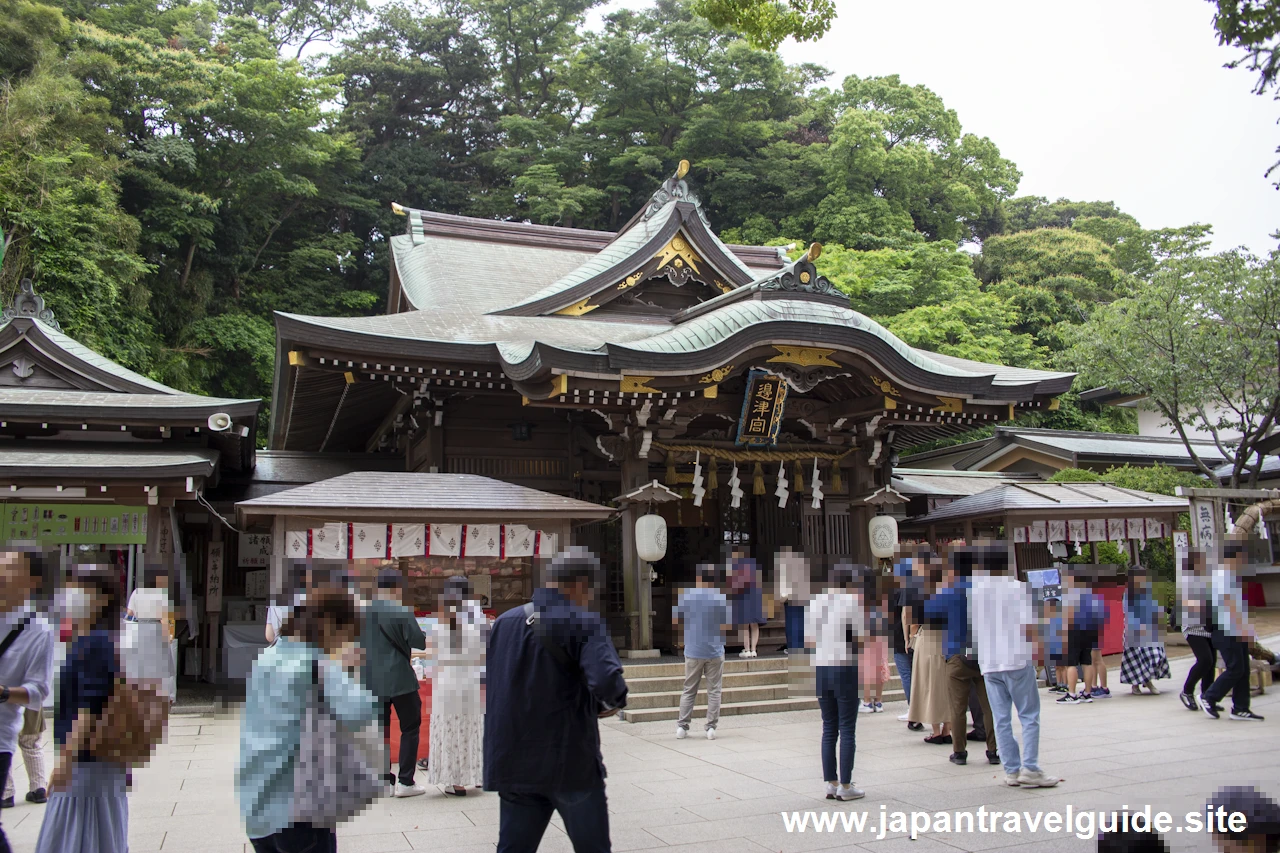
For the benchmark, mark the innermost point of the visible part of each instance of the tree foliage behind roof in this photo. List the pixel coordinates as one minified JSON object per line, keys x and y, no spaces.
{"x":172,"y":175}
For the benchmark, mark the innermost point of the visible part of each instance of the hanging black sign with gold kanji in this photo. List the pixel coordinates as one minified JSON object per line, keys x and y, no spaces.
{"x":762,"y":408}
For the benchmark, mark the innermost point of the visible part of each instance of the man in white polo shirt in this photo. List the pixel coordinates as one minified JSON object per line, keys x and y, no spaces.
{"x":26,"y":652}
{"x":1003,"y":625}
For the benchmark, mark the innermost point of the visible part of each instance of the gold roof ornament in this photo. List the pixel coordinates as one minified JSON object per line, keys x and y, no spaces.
{"x":398,"y":209}
{"x":682,"y":169}
{"x":815,"y":249}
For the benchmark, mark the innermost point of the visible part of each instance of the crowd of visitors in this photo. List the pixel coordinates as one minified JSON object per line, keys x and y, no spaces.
{"x":515,"y":703}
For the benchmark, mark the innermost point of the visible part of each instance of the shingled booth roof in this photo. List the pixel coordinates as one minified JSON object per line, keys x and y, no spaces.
{"x":660,"y":311}
{"x":392,"y":496}
{"x":1056,"y":500}
{"x":53,"y":386}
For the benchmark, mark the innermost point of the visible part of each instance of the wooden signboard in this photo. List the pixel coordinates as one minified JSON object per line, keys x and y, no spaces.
{"x":762,"y":408}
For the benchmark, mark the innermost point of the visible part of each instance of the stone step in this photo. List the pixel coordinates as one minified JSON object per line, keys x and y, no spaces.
{"x":649,"y":715}
{"x":765,"y":706}
{"x":730,"y":679}
{"x":671,"y":698}
{"x":732,"y":663}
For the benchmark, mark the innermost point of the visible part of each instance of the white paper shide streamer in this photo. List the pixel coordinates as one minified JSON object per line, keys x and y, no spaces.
{"x":735,"y":488}
{"x":817,"y":486}
{"x":783,"y":491}
{"x":698,"y":490}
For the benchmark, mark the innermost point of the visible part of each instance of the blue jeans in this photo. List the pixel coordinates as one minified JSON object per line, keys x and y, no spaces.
{"x":522,"y":818}
{"x":794,"y":614}
{"x":903,"y":663}
{"x":1009,"y":690}
{"x":838,"y":701}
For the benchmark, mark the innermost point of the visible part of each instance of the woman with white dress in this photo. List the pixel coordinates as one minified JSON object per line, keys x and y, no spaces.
{"x":151,"y":657}
{"x":457,"y":710}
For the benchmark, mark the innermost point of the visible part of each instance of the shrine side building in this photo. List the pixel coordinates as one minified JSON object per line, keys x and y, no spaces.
{"x":586,"y":364}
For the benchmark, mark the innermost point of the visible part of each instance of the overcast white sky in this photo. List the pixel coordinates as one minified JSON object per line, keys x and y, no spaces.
{"x":1119,"y":100}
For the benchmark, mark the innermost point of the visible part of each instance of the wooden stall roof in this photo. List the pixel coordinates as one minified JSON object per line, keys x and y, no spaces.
{"x":392,"y":496}
{"x":1076,"y":500}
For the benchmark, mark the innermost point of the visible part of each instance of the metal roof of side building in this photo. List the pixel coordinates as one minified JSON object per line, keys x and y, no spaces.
{"x":1082,"y":500}
{"x":1071,"y":446}
{"x":387,"y":496}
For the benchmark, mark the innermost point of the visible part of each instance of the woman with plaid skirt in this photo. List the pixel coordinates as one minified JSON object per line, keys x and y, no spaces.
{"x":1144,"y":658}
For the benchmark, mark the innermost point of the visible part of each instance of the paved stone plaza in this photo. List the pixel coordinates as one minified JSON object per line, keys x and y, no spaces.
{"x":726,"y":795}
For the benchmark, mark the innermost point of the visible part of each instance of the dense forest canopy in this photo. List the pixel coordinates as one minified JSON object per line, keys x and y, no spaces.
{"x":172,"y":175}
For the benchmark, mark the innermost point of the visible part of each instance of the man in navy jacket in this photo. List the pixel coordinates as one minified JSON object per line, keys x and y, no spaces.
{"x":551,"y":673}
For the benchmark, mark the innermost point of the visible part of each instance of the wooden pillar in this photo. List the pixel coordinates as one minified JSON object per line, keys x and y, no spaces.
{"x":862,"y":483}
{"x":160,"y":548}
{"x":275,"y":582}
{"x":635,"y":572}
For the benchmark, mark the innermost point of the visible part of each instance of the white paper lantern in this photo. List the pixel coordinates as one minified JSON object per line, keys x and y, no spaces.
{"x":651,"y":537}
{"x":882,"y":530}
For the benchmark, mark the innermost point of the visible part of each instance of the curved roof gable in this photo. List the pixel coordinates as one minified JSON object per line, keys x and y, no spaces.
{"x":670,"y":238}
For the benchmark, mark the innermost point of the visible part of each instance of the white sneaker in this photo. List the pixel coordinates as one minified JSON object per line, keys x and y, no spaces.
{"x":744,"y":654}
{"x":1036,"y":779}
{"x":681,"y":733}
{"x":831,"y":790}
{"x":414,"y":790}
{"x":866,"y":708}
{"x":848,"y":792}
{"x":903,"y":718}
{"x":1011,"y":779}
{"x":711,"y":734}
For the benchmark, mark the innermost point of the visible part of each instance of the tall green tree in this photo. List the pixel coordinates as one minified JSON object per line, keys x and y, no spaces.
{"x":1201,"y":342}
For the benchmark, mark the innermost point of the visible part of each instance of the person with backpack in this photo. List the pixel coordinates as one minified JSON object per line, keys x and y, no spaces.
{"x":305,"y":760}
{"x":389,"y":636}
{"x":552,"y":672}
{"x":1084,"y":619}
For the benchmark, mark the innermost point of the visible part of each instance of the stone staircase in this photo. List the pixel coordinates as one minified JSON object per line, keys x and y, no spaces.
{"x":751,"y":686}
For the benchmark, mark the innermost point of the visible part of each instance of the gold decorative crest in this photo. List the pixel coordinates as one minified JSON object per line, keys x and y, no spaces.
{"x":885,"y":386}
{"x":630,"y":281}
{"x":950,"y":405}
{"x":679,"y":250}
{"x":804,"y":356}
{"x":716,"y":376}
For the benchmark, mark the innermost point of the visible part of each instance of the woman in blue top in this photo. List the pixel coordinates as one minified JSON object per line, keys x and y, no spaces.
{"x":88,"y":811}
{"x":320,"y":636}
{"x":746,"y":600}
{"x":1144,"y":656}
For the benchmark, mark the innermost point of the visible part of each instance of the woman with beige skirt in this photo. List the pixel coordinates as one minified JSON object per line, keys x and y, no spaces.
{"x":930,"y":702}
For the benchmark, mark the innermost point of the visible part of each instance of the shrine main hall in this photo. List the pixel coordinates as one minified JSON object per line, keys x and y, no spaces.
{"x":576,"y":367}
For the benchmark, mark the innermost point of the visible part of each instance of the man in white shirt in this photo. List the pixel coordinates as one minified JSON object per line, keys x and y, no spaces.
{"x":1003,"y":626}
{"x":26,"y":652}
